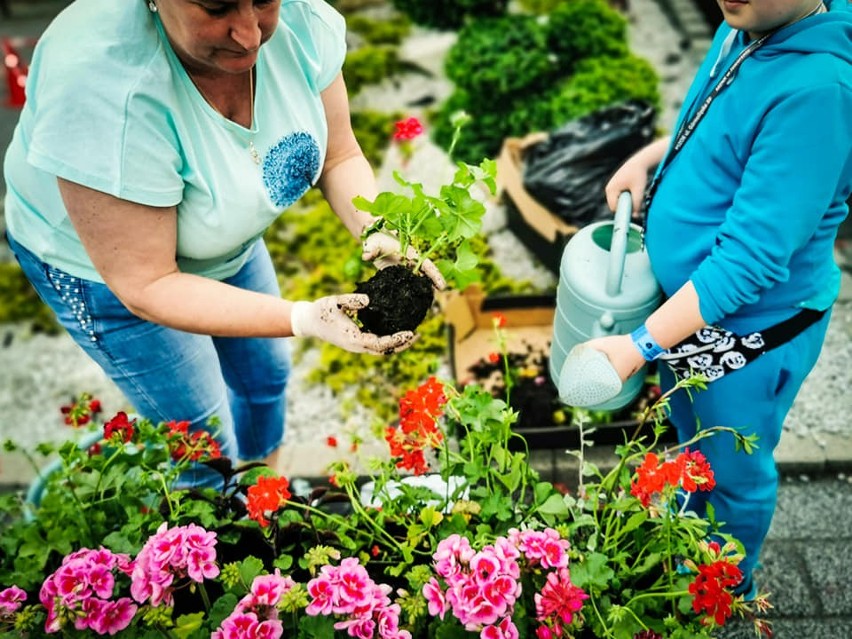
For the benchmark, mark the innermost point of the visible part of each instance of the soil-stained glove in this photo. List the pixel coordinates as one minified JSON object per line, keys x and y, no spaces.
{"x":326,"y":319}
{"x":382,"y":250}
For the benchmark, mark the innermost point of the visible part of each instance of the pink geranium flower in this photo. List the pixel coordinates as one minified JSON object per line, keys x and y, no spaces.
{"x":82,"y":589}
{"x":11,"y":599}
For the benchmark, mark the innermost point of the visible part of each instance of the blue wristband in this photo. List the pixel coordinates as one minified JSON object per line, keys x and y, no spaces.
{"x":646,"y":344}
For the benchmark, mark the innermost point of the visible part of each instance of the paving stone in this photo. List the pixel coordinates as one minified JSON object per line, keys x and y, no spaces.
{"x":785,"y":576}
{"x":813,"y":510}
{"x":832,"y":580}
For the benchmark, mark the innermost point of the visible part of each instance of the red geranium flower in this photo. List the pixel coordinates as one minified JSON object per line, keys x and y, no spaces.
{"x":267,"y":496}
{"x":407,"y":129}
{"x":710,"y":589}
{"x":120,"y":427}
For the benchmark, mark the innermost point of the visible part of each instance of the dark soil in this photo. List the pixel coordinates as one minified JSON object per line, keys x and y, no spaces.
{"x":399,"y":300}
{"x":533,"y":394}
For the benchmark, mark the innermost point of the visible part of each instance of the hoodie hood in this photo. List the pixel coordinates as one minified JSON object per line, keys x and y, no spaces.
{"x":828,"y":32}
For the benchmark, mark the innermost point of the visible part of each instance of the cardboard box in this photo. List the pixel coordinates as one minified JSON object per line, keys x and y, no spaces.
{"x":529,"y":321}
{"x":541,"y":231}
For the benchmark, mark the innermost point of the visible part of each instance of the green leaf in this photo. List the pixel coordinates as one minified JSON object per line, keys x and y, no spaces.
{"x":451,"y":630}
{"x":315,"y":627}
{"x":185,"y":625}
{"x":221,"y":608}
{"x":593,"y":572}
{"x":250,"y":567}
{"x":555,"y":505}
{"x":636,"y":520}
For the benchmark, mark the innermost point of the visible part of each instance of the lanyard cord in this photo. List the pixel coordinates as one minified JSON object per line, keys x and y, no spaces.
{"x":688,"y":126}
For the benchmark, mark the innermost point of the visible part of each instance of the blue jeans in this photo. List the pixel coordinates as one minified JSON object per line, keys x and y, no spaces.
{"x":755,"y":400}
{"x":167,"y":374}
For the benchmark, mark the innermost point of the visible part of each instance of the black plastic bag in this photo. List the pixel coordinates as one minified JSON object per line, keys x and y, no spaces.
{"x":568,"y":171}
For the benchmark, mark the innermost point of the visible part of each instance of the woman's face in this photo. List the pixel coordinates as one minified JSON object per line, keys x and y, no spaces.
{"x":758,"y":17}
{"x":218,"y":36}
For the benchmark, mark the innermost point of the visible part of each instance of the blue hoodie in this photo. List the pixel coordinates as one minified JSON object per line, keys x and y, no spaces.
{"x":748,"y":210}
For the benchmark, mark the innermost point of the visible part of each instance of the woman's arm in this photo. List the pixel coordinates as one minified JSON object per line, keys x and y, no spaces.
{"x":346,"y":172}
{"x":133,"y":248}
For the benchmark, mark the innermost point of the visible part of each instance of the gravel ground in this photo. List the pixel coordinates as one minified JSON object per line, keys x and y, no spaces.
{"x":39,"y":373}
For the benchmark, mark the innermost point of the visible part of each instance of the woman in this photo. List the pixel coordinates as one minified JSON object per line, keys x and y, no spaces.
{"x":741,"y":220}
{"x":158,"y":141}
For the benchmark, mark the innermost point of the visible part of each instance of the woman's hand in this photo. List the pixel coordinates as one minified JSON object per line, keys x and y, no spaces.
{"x":327,"y":319}
{"x":622,"y":354}
{"x":383,"y":250}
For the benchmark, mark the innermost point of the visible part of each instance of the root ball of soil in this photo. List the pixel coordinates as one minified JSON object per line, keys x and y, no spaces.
{"x":399,"y":300}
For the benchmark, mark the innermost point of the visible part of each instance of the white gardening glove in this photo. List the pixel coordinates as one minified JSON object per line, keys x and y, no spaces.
{"x":326,"y":319}
{"x":382,"y":250}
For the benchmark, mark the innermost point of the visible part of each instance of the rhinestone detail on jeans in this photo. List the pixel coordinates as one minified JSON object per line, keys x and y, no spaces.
{"x":70,"y":290}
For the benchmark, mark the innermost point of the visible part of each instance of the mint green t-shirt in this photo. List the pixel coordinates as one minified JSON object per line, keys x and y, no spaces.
{"x":110,"y":107}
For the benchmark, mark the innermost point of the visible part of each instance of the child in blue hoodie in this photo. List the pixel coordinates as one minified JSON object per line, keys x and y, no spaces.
{"x":741,"y":215}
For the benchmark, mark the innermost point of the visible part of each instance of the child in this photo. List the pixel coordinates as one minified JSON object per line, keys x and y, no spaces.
{"x":741,"y":215}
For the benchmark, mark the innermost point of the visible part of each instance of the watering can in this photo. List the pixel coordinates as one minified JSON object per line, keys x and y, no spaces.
{"x":606,"y":287}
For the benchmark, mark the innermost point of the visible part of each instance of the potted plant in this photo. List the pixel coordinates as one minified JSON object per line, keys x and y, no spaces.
{"x":437,"y":227}
{"x":488,"y":551}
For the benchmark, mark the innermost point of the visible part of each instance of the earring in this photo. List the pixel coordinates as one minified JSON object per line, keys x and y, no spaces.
{"x":152,"y":7}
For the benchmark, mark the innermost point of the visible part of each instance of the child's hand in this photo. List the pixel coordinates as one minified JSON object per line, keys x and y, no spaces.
{"x":632,"y":176}
{"x":622,"y":354}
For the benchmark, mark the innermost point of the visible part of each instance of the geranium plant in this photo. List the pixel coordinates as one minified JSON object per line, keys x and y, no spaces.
{"x":449,"y":538}
{"x":438,"y":227}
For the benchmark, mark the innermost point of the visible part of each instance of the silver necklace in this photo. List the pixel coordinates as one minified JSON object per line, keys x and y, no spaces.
{"x":255,"y":156}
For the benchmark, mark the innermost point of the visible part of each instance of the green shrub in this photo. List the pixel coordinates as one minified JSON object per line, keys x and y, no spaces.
{"x":496,"y":57}
{"x":481,"y":137}
{"x":539,"y":7}
{"x":19,"y":301}
{"x":600,"y":82}
{"x":390,"y":31}
{"x":579,"y":29}
{"x":519,"y":74}
{"x":449,"y":14}
{"x":369,"y":64}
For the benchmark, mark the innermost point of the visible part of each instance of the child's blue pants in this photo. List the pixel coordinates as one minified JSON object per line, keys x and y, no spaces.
{"x":756,"y":400}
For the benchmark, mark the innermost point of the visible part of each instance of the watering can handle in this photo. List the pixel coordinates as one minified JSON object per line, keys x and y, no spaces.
{"x":618,"y":248}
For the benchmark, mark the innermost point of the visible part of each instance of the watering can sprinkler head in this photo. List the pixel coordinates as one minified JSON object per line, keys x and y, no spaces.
{"x":587,"y":378}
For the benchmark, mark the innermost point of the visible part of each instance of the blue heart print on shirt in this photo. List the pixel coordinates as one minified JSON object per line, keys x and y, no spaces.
{"x":289,"y":167}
